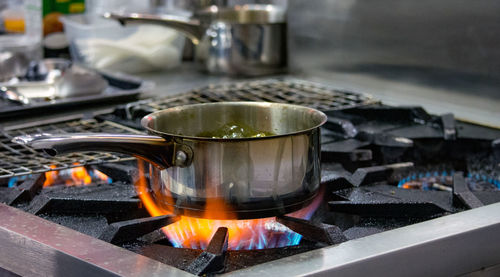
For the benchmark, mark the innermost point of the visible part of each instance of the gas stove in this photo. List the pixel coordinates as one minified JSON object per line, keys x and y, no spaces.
{"x":403,"y":192}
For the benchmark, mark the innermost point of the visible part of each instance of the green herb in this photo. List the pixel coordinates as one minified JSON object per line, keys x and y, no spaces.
{"x":232,"y":130}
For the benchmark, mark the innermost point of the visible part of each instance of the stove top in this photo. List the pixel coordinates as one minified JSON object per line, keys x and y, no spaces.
{"x":396,"y":182}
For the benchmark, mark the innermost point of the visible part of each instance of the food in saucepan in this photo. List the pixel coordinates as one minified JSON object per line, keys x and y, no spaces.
{"x":235,"y":130}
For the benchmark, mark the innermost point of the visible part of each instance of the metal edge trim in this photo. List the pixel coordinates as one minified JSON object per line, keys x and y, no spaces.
{"x":33,"y":246}
{"x":446,"y":246}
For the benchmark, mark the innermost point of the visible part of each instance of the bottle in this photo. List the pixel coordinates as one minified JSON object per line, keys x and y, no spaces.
{"x":55,"y":42}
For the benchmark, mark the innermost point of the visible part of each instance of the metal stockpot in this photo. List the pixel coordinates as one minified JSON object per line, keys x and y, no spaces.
{"x":242,"y":40}
{"x":254,"y":177}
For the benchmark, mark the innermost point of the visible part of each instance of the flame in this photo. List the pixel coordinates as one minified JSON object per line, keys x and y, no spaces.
{"x":50,"y":177}
{"x":77,"y":176}
{"x":191,"y":232}
{"x":443,"y":181}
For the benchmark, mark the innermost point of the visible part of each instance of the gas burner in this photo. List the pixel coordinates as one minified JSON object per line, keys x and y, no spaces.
{"x":477,"y":182}
{"x":195,"y":233}
{"x":428,"y":181}
{"x":444,"y":182}
{"x":76,"y":176}
{"x":243,"y":234}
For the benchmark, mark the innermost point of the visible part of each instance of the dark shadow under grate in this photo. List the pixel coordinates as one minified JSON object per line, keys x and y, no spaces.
{"x":19,"y":160}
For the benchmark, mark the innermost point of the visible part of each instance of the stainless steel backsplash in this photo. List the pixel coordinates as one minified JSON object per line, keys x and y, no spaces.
{"x":455,"y":42}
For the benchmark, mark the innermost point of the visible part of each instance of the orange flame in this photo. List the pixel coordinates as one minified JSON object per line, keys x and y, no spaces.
{"x":190,"y":232}
{"x":50,"y":177}
{"x":77,"y":176}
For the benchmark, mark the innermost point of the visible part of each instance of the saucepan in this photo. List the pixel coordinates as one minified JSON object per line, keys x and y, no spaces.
{"x":241,"y":40}
{"x":260,"y":159}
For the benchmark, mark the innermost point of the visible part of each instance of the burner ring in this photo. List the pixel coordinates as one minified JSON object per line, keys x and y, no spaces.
{"x":444,"y":181}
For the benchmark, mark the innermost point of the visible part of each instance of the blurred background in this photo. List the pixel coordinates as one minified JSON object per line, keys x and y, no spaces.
{"x":409,"y":50}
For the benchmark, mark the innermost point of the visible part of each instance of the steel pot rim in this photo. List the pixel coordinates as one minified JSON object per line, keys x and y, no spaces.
{"x":148,"y":119}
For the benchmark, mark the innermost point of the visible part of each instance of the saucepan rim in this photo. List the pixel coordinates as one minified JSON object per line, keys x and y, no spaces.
{"x":146,"y":120}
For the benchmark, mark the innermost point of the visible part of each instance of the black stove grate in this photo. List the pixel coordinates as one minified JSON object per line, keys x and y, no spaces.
{"x":367,"y":152}
{"x":293,"y":91}
{"x":113,"y":213}
{"x":18,"y":160}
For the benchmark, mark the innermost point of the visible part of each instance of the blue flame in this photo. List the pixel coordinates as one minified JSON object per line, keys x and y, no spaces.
{"x":267,"y":234}
{"x":422,"y":176}
{"x":12,"y":182}
{"x":253,"y":233}
{"x":93,"y":176}
{"x":15,"y":180}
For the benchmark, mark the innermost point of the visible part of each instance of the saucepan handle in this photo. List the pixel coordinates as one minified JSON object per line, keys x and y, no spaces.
{"x":156,"y":150}
{"x":191,"y":28}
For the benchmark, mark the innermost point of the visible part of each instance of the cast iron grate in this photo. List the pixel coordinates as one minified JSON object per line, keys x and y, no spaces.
{"x":291,"y":91}
{"x":112,"y":213}
{"x":18,"y":160}
{"x":355,"y":203}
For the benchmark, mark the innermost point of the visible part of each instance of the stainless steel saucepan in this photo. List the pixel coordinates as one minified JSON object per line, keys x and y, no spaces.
{"x":253,"y":176}
{"x":242,"y":40}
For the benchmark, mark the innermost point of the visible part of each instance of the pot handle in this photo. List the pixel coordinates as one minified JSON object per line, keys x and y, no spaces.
{"x":191,"y":28}
{"x":153,"y":149}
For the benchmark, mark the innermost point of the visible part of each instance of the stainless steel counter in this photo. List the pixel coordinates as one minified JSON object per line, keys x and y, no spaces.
{"x":479,"y":108}
{"x":447,"y":246}
{"x":442,"y":55}
{"x":182,"y":79}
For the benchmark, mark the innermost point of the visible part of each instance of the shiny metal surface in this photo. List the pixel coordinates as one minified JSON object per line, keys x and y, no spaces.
{"x":244,"y":14}
{"x":450,"y":44}
{"x":52,"y":83}
{"x":79,"y":81}
{"x":243,"y":40}
{"x":153,"y":149}
{"x":446,"y":246}
{"x":13,"y":95}
{"x":190,"y":27}
{"x":253,"y":176}
{"x":243,"y":49}
{"x":19,"y":160}
{"x":13,"y":64}
{"x":190,"y":121}
{"x":32,"y":246}
{"x":47,"y":69}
